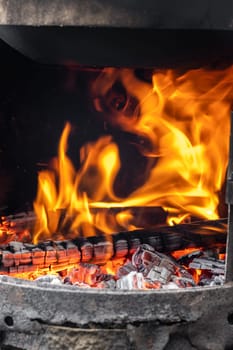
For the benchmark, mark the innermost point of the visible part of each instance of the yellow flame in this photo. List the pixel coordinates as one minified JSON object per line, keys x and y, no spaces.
{"x":186,"y":120}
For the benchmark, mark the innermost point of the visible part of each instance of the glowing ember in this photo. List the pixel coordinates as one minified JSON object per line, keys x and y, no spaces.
{"x":146,"y":268}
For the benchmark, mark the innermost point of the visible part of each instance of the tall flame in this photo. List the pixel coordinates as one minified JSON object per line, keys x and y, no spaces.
{"x":186,"y":120}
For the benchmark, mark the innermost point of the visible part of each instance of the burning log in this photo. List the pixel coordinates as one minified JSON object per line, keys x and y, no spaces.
{"x":142,"y":217}
{"x":18,"y":257}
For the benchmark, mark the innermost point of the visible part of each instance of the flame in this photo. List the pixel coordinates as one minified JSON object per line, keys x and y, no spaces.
{"x":196,"y":275}
{"x":185,"y":119}
{"x":177,"y":254}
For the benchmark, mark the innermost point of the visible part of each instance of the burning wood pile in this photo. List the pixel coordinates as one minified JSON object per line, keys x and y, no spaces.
{"x":179,"y":120}
{"x":180,"y":256}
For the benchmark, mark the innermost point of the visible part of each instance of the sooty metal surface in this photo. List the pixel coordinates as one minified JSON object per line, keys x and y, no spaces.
{"x":62,"y":317}
{"x":206,"y":14}
{"x":123,"y":33}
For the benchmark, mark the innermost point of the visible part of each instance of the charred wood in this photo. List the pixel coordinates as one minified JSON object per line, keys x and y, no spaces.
{"x":17,"y":257}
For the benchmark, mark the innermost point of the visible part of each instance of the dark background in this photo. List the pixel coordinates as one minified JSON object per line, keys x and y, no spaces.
{"x":35,"y":102}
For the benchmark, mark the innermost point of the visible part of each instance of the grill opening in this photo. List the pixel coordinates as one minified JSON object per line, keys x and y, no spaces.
{"x":160,"y":276}
{"x":97,"y":195}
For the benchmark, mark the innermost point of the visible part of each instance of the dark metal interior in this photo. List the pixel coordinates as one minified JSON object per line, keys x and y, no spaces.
{"x":128,"y":33}
{"x":36,"y":101}
{"x":122,"y":47}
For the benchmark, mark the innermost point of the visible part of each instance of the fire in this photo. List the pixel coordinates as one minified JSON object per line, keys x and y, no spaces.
{"x":179,"y":253}
{"x":184,"y":118}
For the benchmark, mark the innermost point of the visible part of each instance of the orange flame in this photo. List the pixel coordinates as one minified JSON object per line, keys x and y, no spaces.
{"x":185,"y":118}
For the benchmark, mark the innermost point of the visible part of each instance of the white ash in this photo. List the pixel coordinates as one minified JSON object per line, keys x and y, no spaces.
{"x":134,"y":280}
{"x":215,"y":280}
{"x":170,"y":285}
{"x":51,"y":279}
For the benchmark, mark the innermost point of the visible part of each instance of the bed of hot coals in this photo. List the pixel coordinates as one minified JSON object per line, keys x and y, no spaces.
{"x":146,"y":269}
{"x":180,"y":256}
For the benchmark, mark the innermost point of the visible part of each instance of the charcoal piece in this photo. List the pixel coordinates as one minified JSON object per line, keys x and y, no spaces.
{"x":61,"y":254}
{"x":16,"y":246}
{"x":134,"y":280}
{"x":184,"y":274}
{"x":195,"y":265}
{"x":156,"y":267}
{"x":26,"y":268}
{"x":38,"y":256}
{"x":17,"y":258}
{"x":183,"y":282}
{"x":13,"y":269}
{"x":44,"y":245}
{"x":134,"y":243}
{"x":187,"y":258}
{"x":26,"y":257}
{"x":145,"y":258}
{"x":103,"y":251}
{"x":167,"y":263}
{"x":7,"y":258}
{"x":171,"y":241}
{"x":85,"y":273}
{"x":50,"y":255}
{"x":170,"y":238}
{"x":160,"y":274}
{"x":73,"y":253}
{"x":125,"y":270}
{"x":148,"y":284}
{"x":86,"y":251}
{"x":30,"y":246}
{"x":155,"y":241}
{"x":210,"y":264}
{"x":121,"y":248}
{"x":23,"y":216}
{"x":215,"y":280}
